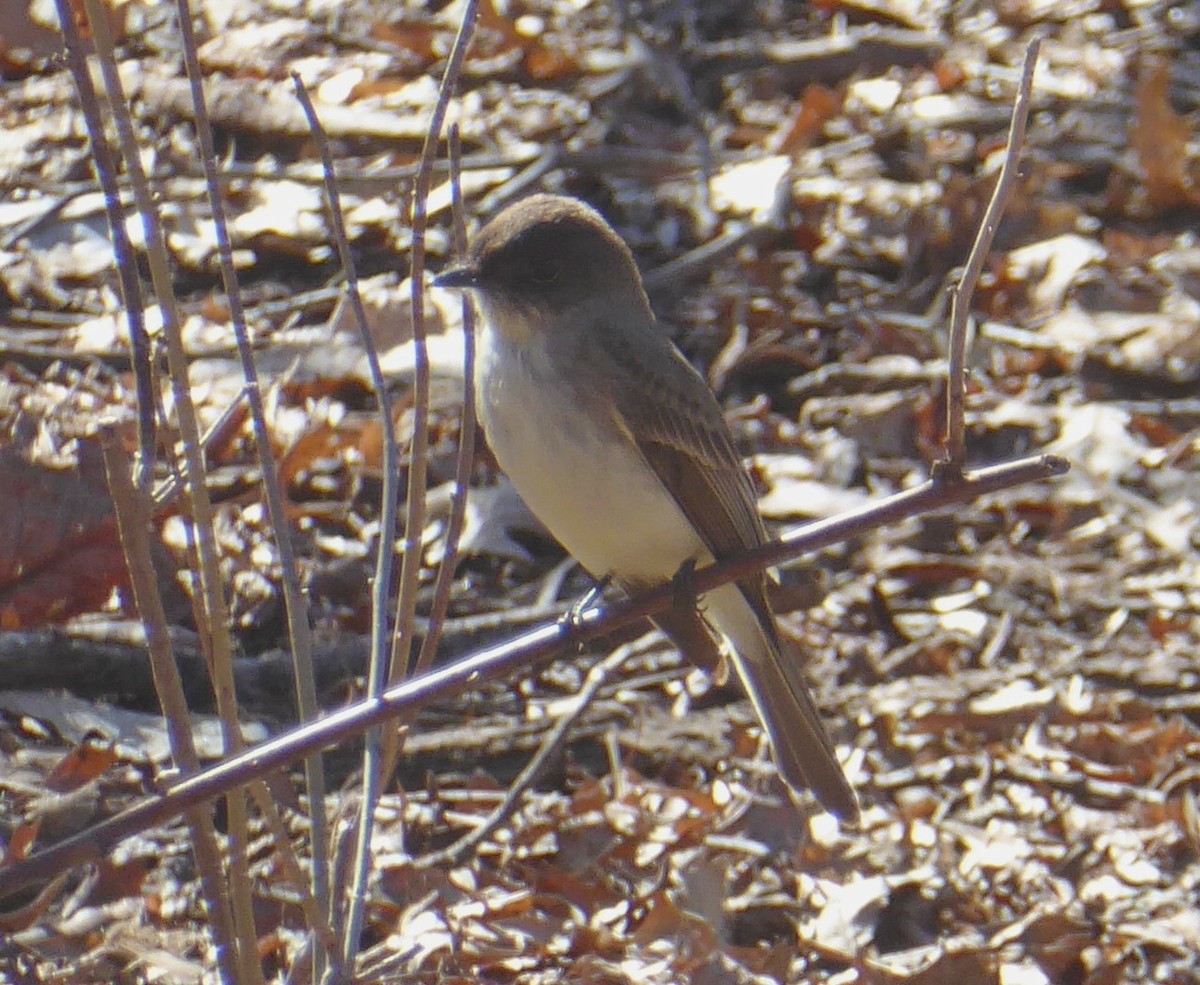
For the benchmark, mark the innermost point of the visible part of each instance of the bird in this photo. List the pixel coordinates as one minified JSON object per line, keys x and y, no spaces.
{"x":620,"y":448}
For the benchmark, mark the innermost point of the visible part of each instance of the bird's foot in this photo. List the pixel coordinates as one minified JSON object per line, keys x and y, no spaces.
{"x":573,"y":617}
{"x":683,"y":585}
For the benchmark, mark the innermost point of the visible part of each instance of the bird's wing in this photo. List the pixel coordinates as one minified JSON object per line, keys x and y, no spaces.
{"x":677,"y":424}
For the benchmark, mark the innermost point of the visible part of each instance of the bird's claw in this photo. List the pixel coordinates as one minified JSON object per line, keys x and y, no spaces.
{"x":573,"y":617}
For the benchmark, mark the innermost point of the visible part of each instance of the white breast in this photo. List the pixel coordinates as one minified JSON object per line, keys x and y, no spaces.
{"x":582,"y":477}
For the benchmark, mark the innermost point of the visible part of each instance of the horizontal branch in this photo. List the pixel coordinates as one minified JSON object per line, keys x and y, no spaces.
{"x":528,"y":648}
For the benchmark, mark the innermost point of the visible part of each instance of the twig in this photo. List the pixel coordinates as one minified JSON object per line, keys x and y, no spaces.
{"x":236,"y":959}
{"x":960,"y":298}
{"x":216,"y":609}
{"x":218,"y":431}
{"x":596,"y":679}
{"x":381,"y":751}
{"x":999,"y":639}
{"x":129,"y":505}
{"x":106,"y":172}
{"x":607,"y":159}
{"x":391,"y":459}
{"x":706,"y":254}
{"x":697,"y":260}
{"x":52,"y":211}
{"x":544,"y":162}
{"x":410,"y":567}
{"x":529,"y":648}
{"x":466,"y":436}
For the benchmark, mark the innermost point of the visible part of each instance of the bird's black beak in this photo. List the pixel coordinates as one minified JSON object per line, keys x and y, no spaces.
{"x":461,"y":276}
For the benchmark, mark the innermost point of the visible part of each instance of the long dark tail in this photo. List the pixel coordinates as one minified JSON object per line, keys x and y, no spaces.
{"x":804,"y":753}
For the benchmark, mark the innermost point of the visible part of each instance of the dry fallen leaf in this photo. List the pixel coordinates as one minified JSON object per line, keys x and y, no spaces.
{"x":1160,"y":136}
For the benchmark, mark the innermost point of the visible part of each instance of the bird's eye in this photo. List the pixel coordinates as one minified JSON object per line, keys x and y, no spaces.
{"x":545,"y":273}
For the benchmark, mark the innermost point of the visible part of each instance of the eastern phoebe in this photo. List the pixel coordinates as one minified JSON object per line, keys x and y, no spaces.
{"x":620,"y":448}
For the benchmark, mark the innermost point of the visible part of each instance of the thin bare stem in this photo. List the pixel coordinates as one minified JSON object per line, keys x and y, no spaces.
{"x":132,"y":514}
{"x":531,"y":647}
{"x":235,"y":959}
{"x":466,"y":434}
{"x":411,"y":566}
{"x":218,"y":431}
{"x":174,"y":708}
{"x":964,"y":291}
{"x":380,"y":750}
{"x":215,"y":606}
{"x":659,"y":163}
{"x":106,"y":172}
{"x":391,"y":457}
{"x":596,"y":679}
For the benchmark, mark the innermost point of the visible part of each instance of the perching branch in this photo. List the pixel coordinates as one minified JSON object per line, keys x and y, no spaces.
{"x":530,"y":648}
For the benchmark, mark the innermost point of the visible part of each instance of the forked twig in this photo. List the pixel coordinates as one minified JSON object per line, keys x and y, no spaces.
{"x":466,"y":434}
{"x":964,"y":290}
{"x":381,"y":751}
{"x":596,"y":678}
{"x":106,"y":172}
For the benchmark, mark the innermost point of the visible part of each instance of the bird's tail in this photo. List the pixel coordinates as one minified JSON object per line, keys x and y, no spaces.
{"x":804,"y":753}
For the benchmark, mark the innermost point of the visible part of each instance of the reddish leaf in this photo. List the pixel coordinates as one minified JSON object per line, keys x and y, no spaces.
{"x":59,"y":553}
{"x":817,"y":106}
{"x":1160,"y":137}
{"x":81,"y":765}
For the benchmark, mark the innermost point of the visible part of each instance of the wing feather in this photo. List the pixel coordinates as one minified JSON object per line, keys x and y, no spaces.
{"x":676,"y":422}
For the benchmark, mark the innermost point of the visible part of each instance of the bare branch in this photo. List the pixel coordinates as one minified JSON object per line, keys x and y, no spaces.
{"x":960,"y":301}
{"x":532,"y":647}
{"x":596,"y":679}
{"x":381,"y":751}
{"x":132,"y":526}
{"x":466,"y":435}
{"x":106,"y":172}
